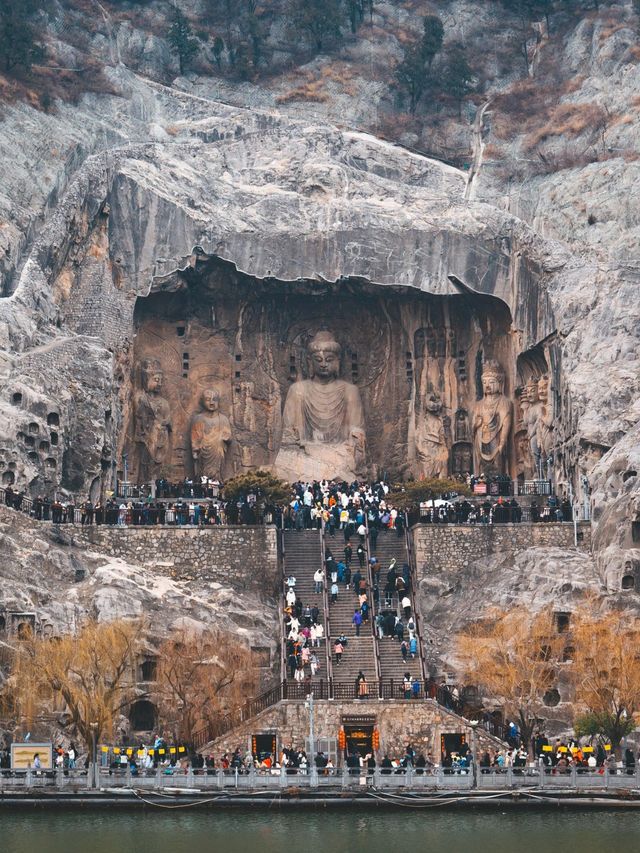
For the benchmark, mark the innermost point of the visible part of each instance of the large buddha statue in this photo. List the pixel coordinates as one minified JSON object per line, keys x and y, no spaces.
{"x":492,"y":423}
{"x":210,"y":437}
{"x":323,"y":422}
{"x":152,"y":424}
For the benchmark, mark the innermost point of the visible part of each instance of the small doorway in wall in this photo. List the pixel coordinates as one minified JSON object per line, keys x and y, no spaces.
{"x":359,"y":739}
{"x":263,"y":746}
{"x":452,"y":743}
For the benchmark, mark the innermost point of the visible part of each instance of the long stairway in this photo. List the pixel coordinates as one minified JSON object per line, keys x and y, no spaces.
{"x":392,"y":666}
{"x":359,"y":653}
{"x":302,"y":557}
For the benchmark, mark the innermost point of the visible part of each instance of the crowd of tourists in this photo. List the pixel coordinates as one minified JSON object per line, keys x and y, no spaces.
{"x":333,"y":505}
{"x":304,"y":632}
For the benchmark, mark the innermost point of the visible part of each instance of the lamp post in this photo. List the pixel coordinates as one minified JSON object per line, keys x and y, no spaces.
{"x":474,"y":726}
{"x":312,"y":740}
{"x":311,"y":762}
{"x":94,"y":752}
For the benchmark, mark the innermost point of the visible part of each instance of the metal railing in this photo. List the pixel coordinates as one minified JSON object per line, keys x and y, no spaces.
{"x":417,"y":615}
{"x":532,"y":777}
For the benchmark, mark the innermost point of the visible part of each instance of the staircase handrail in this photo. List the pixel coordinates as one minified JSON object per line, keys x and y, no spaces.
{"x":372,"y":609}
{"x":417,"y":617}
{"x":325,"y":599}
{"x":283,"y":635}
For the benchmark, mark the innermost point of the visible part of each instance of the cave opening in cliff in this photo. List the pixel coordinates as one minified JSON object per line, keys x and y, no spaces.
{"x":415,"y":360}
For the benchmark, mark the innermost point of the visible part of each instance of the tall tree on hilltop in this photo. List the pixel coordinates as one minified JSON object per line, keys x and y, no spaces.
{"x":432,"y":38}
{"x":19,"y":46}
{"x":319,"y":21}
{"x":181,"y":39}
{"x":457,"y":76}
{"x":413,"y":73}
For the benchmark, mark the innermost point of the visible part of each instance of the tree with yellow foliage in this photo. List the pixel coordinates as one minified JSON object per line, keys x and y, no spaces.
{"x":87,"y":675}
{"x":512,"y":658}
{"x":202,"y":676}
{"x":606,"y":673}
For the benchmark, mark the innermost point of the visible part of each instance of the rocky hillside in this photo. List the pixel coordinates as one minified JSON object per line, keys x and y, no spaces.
{"x":545,"y":151}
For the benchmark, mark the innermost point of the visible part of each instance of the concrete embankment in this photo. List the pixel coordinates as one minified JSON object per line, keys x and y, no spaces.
{"x":130,"y":799}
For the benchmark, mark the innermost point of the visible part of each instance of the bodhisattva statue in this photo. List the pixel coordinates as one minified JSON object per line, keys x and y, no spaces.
{"x":152,"y":424}
{"x":531,"y":410}
{"x":432,"y":453}
{"x":210,"y":437}
{"x":544,"y":427}
{"x":323,"y":421}
{"x":492,"y":423}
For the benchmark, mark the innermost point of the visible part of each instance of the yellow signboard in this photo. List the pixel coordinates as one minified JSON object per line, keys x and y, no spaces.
{"x":23,"y":755}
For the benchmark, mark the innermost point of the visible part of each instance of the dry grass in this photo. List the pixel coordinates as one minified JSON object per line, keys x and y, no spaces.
{"x":311,"y":92}
{"x":492,"y":152}
{"x":569,"y":121}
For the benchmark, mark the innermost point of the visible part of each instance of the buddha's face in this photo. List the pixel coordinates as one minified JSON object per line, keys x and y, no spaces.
{"x":490,"y":385}
{"x":326,"y":364}
{"x":433,"y":404}
{"x":532,"y":392}
{"x":543,"y":390}
{"x":154,"y":381}
{"x":210,"y":401}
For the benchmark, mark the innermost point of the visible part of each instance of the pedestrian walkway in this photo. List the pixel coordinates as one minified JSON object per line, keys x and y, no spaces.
{"x":390,"y":546}
{"x":302,"y":558}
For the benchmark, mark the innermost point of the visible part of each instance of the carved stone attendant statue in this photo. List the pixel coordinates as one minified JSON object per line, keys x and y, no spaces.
{"x":492,"y":423}
{"x":432,"y":453}
{"x":531,"y":411}
{"x":544,"y":426}
{"x":210,"y":437}
{"x":323,"y":421}
{"x":152,"y":423}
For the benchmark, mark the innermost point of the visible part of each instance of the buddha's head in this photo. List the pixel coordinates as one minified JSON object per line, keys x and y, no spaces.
{"x":543,"y":389}
{"x":210,"y":400}
{"x":531,"y":390}
{"x":152,"y":375}
{"x":324,"y":354}
{"x":492,"y":378}
{"x":433,"y":403}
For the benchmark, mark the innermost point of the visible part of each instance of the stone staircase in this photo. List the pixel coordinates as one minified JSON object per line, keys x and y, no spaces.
{"x":302,"y":557}
{"x":360,"y":653}
{"x":392,"y":666}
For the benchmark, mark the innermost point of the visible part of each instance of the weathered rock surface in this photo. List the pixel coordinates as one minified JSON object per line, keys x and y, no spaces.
{"x":62,"y":582}
{"x":103,"y":201}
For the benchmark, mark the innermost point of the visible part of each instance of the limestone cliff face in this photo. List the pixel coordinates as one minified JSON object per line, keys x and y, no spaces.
{"x":103,"y":202}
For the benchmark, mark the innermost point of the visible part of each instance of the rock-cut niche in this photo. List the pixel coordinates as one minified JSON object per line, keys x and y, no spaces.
{"x":318,"y":379}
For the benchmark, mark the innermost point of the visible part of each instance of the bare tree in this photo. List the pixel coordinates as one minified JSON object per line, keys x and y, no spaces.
{"x":606,"y":673}
{"x":200,"y":677}
{"x":512,"y":658}
{"x":87,"y":675}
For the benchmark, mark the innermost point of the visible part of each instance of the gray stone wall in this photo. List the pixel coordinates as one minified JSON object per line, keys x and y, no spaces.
{"x":452,"y":547}
{"x":244,"y":558}
{"x":419,"y":722}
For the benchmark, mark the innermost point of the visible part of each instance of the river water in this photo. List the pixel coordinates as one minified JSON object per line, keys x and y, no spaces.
{"x":322,"y":831}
